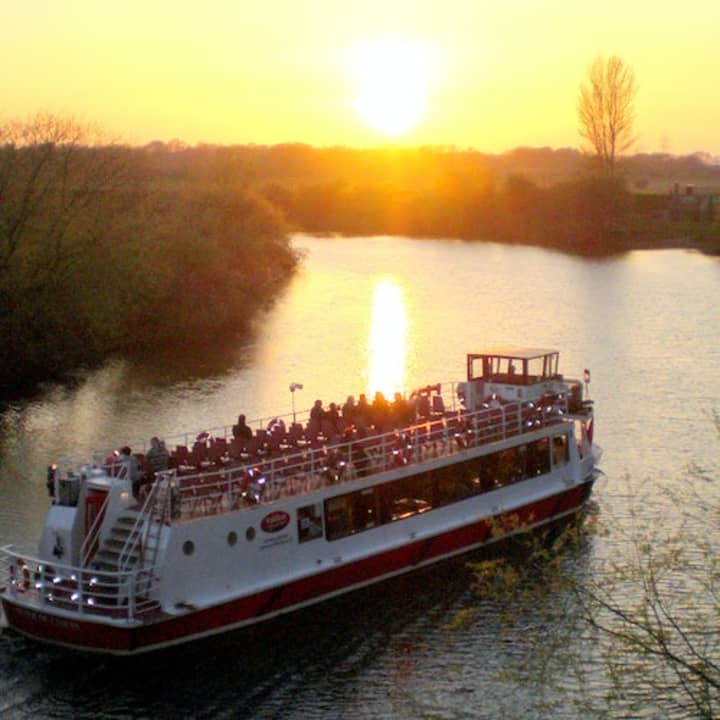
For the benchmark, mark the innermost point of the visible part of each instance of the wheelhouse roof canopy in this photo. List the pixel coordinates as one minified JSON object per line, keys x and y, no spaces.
{"x":513,"y":365}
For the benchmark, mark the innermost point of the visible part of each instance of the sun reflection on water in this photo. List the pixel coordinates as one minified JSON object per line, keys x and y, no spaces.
{"x":388,"y":340}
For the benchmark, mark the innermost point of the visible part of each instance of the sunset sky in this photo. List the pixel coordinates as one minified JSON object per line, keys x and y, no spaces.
{"x":463,"y":73}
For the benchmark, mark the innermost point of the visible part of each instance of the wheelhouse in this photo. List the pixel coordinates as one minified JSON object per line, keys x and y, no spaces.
{"x":514,"y":366}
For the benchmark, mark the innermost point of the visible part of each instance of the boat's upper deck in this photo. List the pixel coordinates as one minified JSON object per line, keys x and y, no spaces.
{"x":514,"y":365}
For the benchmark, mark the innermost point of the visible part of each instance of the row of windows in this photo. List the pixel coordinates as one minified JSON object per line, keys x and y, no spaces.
{"x":364,"y":509}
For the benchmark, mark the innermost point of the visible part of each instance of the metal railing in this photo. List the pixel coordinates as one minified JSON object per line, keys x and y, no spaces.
{"x":124,"y":596}
{"x":301,"y":468}
{"x":147,"y":519}
{"x":78,"y":465}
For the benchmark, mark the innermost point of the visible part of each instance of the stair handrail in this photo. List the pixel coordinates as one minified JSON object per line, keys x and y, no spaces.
{"x":158,"y":514}
{"x":91,"y":538}
{"x":135,"y":538}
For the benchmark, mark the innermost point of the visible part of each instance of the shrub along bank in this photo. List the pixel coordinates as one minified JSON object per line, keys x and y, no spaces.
{"x":98,"y":259}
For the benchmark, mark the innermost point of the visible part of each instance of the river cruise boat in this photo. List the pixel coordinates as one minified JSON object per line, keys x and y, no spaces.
{"x":240,"y":528}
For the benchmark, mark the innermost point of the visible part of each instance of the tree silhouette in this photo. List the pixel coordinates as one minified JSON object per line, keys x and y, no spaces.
{"x":606,"y":110}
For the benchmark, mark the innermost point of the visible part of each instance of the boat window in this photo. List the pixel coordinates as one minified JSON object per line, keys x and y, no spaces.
{"x":350,"y":513}
{"x":537,"y":458}
{"x":487,"y":467}
{"x":537,"y":369}
{"x":560,"y":450}
{"x":188,"y":547}
{"x":401,"y":499}
{"x":310,"y":522}
{"x":337,"y":517}
{"x":454,"y":483}
{"x":511,"y":466}
{"x":232,"y":538}
{"x":406,"y":497}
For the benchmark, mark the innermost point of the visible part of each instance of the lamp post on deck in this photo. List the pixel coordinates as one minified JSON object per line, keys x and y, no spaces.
{"x":293,"y":387}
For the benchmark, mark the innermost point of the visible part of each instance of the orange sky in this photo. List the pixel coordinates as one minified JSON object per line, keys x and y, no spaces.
{"x":495,"y":75}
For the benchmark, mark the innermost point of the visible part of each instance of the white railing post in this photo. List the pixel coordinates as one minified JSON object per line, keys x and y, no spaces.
{"x":132,"y":582}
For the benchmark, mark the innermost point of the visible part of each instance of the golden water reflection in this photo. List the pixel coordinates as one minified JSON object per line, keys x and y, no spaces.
{"x":387,"y":346}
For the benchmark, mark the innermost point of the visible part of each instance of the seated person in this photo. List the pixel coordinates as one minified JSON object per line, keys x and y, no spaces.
{"x":157,"y":457}
{"x":242,"y":431}
{"x":380,"y":411}
{"x":401,"y":411}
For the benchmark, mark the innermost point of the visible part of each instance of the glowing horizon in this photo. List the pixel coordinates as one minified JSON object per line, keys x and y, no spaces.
{"x":229,"y":73}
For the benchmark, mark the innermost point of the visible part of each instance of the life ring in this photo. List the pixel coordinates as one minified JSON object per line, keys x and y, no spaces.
{"x":276,"y":425}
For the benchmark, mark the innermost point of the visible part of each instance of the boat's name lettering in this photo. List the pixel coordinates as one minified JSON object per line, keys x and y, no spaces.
{"x":283,"y":539}
{"x":47,"y":619}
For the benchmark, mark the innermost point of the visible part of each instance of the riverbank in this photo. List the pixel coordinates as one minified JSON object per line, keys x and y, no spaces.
{"x":174,"y":273}
{"x":166,"y":250}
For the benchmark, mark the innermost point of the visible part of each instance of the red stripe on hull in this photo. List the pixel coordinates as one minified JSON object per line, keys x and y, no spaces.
{"x":110,"y":638}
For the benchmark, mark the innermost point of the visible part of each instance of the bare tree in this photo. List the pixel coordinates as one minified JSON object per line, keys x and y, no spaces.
{"x":57,"y":178}
{"x":606,"y":110}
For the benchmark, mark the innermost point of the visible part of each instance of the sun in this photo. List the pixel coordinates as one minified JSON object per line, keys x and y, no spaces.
{"x":392,"y":80}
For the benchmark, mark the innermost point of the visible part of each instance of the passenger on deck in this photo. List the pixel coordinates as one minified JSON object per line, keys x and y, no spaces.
{"x":363,"y":412}
{"x":242,"y":431}
{"x":380,"y":412}
{"x":332,"y":425}
{"x":317,"y":414}
{"x":349,"y":412}
{"x":402,"y":413}
{"x":423,"y":405}
{"x":129,"y":468}
{"x":157,"y":457}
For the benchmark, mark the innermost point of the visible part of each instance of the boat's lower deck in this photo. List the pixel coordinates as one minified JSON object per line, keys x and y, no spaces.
{"x":30,"y":613}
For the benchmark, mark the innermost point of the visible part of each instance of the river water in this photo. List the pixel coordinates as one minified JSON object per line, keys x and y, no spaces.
{"x":387,"y":313}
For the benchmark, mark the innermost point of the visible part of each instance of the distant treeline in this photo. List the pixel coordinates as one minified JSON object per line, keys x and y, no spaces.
{"x":416,"y":168}
{"x":535,"y":196}
{"x":108,"y":250}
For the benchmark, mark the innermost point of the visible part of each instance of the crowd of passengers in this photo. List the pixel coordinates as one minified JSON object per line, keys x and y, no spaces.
{"x":354,"y":420}
{"x":326,"y":425}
